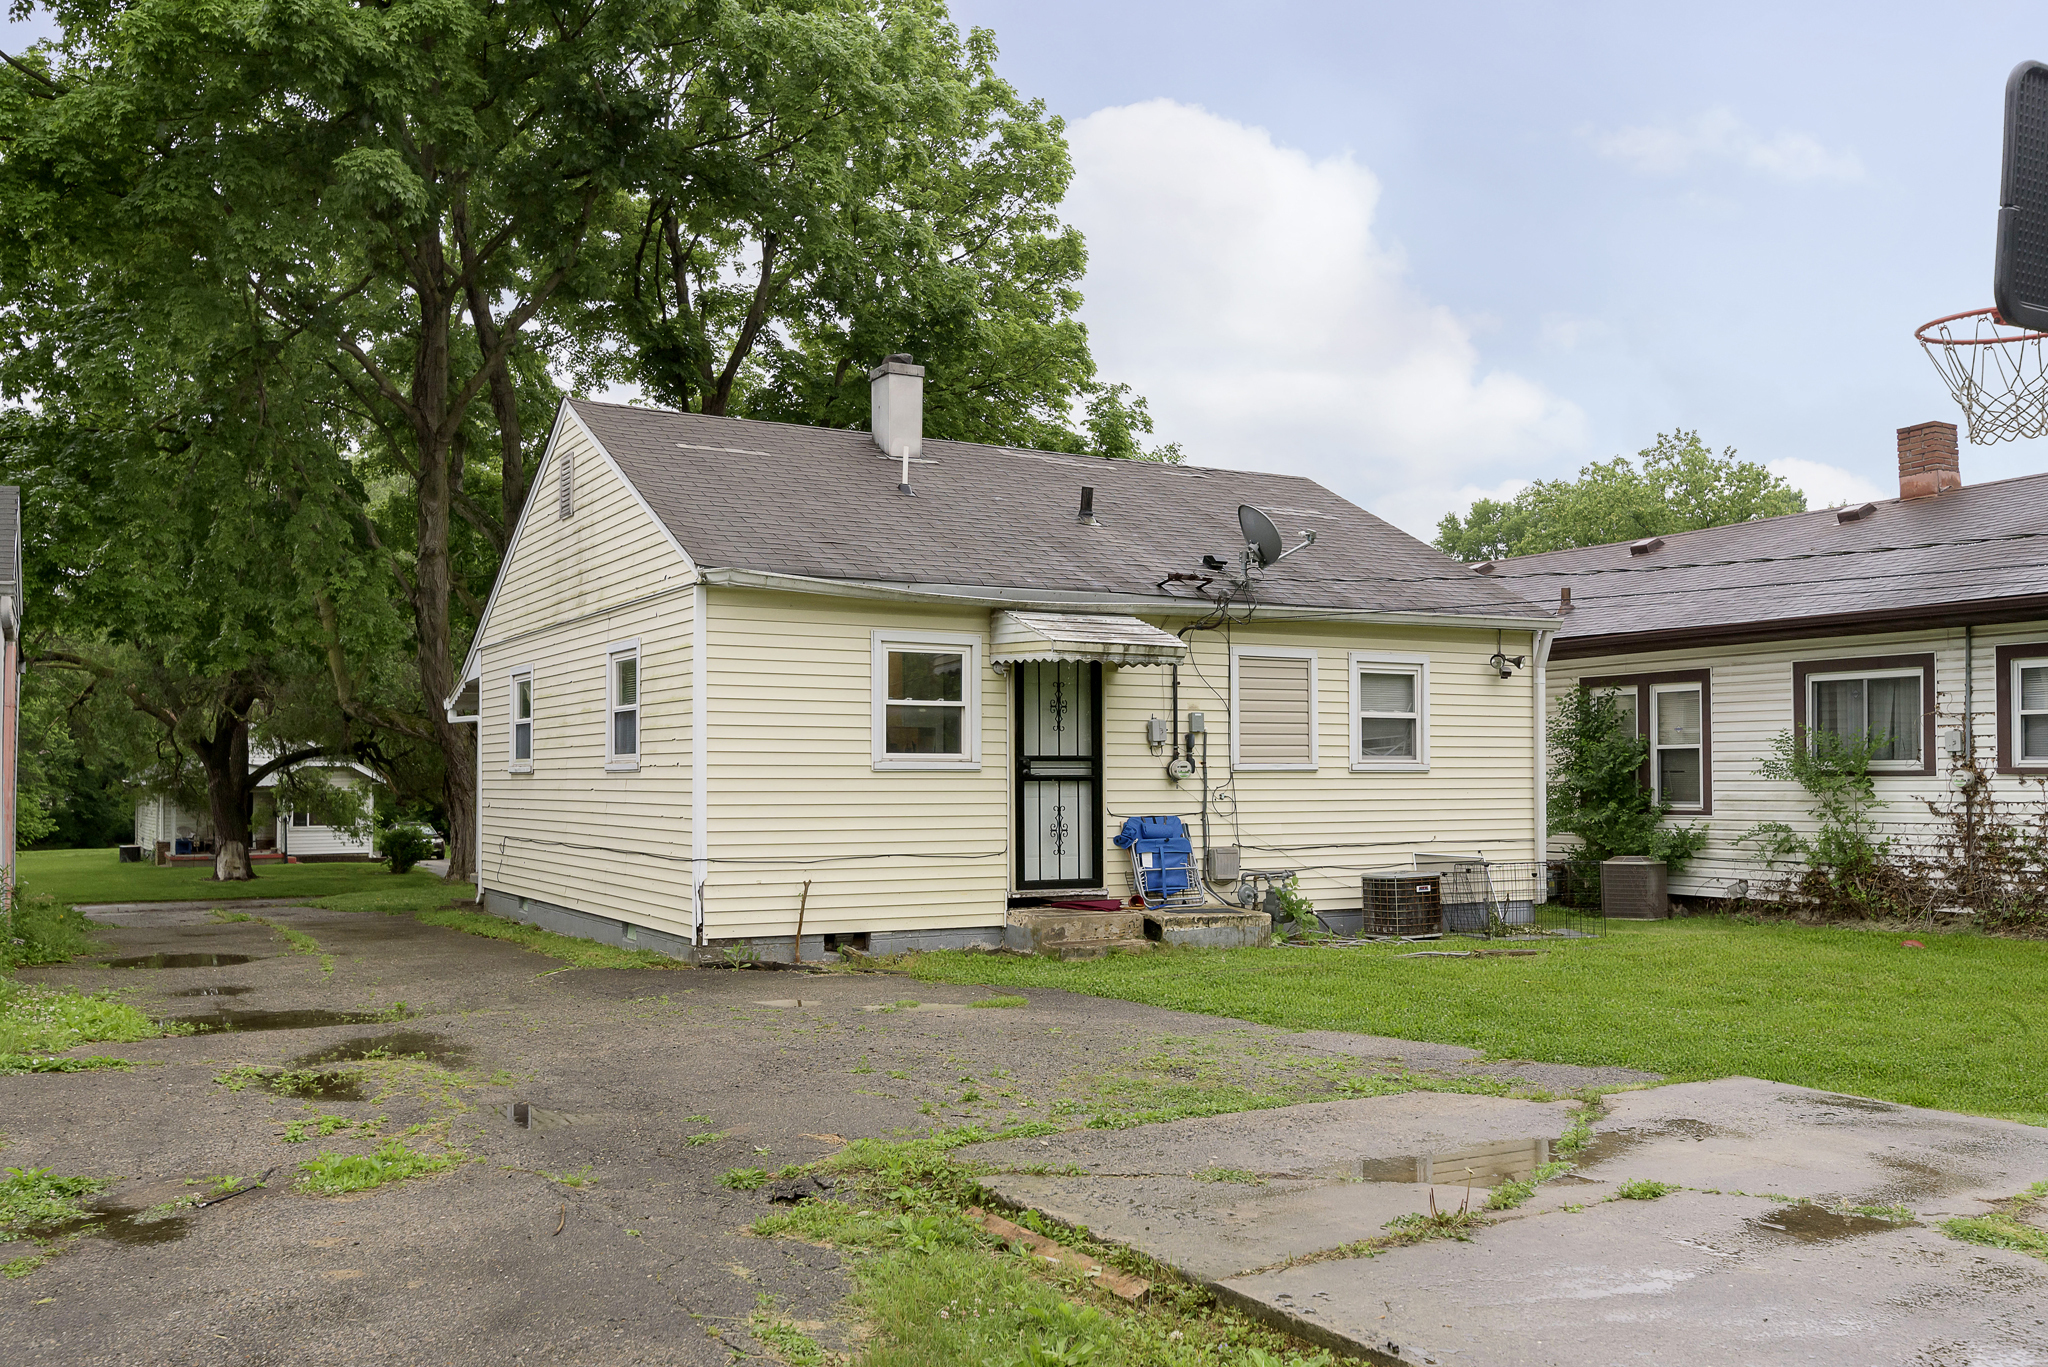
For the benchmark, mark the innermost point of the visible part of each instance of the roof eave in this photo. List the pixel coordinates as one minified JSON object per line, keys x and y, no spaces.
{"x":1062,"y":600}
{"x":1972,"y":612}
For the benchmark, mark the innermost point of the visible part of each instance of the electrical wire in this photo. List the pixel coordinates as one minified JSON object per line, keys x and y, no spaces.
{"x":776,"y":861}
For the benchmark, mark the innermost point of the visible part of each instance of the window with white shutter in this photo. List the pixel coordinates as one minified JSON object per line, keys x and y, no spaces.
{"x":1272,"y":720}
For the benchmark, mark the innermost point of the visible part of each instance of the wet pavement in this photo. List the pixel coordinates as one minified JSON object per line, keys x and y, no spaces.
{"x":598,"y":1109}
{"x":1798,"y":1227}
{"x":605,"y":1104}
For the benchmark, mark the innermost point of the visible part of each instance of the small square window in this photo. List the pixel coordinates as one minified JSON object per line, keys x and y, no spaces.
{"x":925,"y":701}
{"x":1389,"y":712}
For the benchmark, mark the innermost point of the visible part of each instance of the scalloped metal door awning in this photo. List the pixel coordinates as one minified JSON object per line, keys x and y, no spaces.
{"x":1082,"y":636}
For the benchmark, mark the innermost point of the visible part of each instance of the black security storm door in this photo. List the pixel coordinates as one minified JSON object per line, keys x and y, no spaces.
{"x":1059,"y":774}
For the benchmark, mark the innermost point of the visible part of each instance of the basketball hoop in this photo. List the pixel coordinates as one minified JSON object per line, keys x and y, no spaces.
{"x":1996,"y":373}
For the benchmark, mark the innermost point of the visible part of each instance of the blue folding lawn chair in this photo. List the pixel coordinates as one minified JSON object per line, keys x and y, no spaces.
{"x":1163,"y":869}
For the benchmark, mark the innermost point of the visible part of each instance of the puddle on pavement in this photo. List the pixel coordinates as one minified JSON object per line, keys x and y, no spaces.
{"x":1483,"y":1165}
{"x":182,"y":960}
{"x":529,"y":1117}
{"x":1616,"y":1142}
{"x":411,"y":1044}
{"x":229,"y":991}
{"x":228,"y":1021}
{"x":1851,"y":1103}
{"x":1918,"y":1181}
{"x":789,"y":1002}
{"x":130,"y":1226}
{"x":1811,"y":1224}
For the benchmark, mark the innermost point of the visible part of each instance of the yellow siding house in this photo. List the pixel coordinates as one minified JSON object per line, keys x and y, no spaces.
{"x":740,"y":678}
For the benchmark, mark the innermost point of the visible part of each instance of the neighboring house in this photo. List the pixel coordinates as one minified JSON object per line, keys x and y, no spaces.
{"x":275,"y":833}
{"x":10,"y":675}
{"x":1921,"y":620}
{"x":734,"y":677}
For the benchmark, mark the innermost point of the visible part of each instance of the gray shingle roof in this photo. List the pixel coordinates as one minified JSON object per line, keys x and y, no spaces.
{"x":1975,"y":553}
{"x":823,"y":503}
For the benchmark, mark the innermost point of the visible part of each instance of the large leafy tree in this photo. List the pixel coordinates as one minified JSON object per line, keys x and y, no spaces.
{"x":1676,"y":485}
{"x":433,"y":200}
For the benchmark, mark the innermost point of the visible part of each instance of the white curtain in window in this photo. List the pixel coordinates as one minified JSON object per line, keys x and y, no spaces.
{"x":1678,"y":717}
{"x":1838,"y":708}
{"x":1894,"y":718}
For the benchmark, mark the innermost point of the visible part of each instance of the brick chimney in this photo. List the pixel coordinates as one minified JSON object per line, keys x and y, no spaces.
{"x":1928,"y":461}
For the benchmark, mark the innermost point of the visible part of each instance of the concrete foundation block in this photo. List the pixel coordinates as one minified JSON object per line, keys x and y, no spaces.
{"x":1210,"y":929}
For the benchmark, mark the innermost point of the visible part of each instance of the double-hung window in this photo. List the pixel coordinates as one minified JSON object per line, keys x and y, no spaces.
{"x":1672,"y":715}
{"x":622,"y":707}
{"x":2027,"y":692}
{"x":522,"y":721}
{"x":1390,"y":712}
{"x":926,"y":700}
{"x":1677,"y":742}
{"x":302,"y":818}
{"x":1880,"y":707}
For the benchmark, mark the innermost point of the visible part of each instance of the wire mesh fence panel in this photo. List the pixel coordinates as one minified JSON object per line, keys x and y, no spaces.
{"x":1517,"y":899}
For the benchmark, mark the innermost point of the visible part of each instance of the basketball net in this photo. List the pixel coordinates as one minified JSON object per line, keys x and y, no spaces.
{"x":1996,"y":373}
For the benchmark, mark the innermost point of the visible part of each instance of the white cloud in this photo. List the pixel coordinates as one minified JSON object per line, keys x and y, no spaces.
{"x":1718,"y":135}
{"x":1238,"y":285}
{"x":1826,"y":486}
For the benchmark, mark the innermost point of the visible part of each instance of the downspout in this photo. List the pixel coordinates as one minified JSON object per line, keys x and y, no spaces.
{"x":700,"y":754}
{"x":478,"y":746}
{"x":1540,"y":681}
{"x":14,"y":672}
{"x":1970,"y":693}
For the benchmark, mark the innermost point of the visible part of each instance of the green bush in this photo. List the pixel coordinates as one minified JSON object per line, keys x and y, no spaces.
{"x":35,"y":928}
{"x":403,"y":846}
{"x":1596,"y":789}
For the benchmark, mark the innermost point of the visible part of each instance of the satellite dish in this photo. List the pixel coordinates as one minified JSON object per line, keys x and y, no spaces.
{"x":1260,"y":535}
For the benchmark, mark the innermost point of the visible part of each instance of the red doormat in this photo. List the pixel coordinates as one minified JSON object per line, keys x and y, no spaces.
{"x":1090,"y":904}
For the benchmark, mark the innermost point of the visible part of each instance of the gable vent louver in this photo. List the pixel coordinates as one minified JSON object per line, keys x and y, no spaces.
{"x":565,"y":483}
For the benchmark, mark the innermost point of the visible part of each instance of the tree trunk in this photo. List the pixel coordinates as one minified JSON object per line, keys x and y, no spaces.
{"x":433,"y":583}
{"x":229,"y":795}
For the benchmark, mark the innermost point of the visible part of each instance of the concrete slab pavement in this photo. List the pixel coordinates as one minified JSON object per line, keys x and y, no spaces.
{"x":1757,"y":1258}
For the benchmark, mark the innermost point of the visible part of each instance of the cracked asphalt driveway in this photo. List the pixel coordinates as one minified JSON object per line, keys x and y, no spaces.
{"x":641,"y":1087}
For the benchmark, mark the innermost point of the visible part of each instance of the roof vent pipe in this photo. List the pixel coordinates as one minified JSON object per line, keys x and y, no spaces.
{"x":896,"y":407}
{"x":1087,"y":517}
{"x":1564,"y":600}
{"x":1928,"y":460}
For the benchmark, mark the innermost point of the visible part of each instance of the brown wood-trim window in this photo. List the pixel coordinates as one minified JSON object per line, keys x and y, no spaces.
{"x":2023,"y":708}
{"x":1675,"y":711}
{"x":1865,"y":695}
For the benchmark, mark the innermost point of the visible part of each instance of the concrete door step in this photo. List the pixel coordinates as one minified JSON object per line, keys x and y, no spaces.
{"x":1047,"y":930}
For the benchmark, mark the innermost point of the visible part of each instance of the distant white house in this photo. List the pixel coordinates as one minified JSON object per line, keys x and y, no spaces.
{"x":277,"y":832}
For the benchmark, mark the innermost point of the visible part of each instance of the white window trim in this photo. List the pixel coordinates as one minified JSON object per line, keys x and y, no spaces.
{"x":970,"y":646}
{"x":1363,"y":660}
{"x":1877,"y":766}
{"x":1314,"y":707}
{"x":1699,"y":747}
{"x":2018,"y":758}
{"x":613,"y":653}
{"x":513,"y":678}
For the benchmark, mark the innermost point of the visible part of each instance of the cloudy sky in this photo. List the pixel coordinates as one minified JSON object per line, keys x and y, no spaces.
{"x":1426,"y":251}
{"x":1423,"y":252}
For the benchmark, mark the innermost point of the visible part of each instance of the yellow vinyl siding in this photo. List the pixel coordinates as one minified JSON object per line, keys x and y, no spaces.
{"x":1333,"y":824}
{"x":569,"y":833}
{"x":795,"y":794}
{"x":1273,"y":723}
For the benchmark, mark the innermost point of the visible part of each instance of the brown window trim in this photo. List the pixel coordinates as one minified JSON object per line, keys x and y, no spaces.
{"x":2007,"y":737}
{"x":1642,"y":684}
{"x":1855,"y":664}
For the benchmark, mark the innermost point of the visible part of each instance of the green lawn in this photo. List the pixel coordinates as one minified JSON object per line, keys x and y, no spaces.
{"x":1961,"y":1024}
{"x":98,"y":876}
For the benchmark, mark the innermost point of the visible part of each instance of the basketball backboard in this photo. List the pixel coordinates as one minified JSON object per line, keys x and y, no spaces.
{"x":2019,"y":280}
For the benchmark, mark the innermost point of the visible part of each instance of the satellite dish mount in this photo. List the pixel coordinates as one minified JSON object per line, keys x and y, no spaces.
{"x":1262,"y":540}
